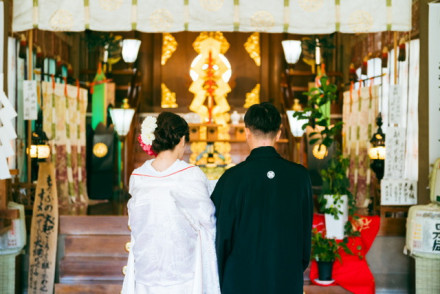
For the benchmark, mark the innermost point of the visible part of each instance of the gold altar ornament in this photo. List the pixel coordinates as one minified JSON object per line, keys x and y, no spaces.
{"x":168,"y":98}
{"x":252,"y":47}
{"x":100,"y":150}
{"x":127,"y":246}
{"x":169,"y":46}
{"x":218,"y":36}
{"x":210,"y":72}
{"x":253,"y":97}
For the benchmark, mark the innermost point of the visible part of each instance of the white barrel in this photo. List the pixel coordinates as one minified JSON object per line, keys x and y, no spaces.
{"x":423,"y":231}
{"x":434,"y":183}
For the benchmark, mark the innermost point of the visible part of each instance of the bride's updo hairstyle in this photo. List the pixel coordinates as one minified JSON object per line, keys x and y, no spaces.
{"x":170,"y":129}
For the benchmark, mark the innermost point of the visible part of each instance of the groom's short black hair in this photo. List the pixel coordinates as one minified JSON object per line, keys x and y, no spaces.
{"x":263,"y":119}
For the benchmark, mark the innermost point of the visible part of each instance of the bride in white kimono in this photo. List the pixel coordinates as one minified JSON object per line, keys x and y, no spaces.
{"x":171,"y":217}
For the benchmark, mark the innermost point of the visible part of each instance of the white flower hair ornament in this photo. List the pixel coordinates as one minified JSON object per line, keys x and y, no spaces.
{"x":146,"y":137}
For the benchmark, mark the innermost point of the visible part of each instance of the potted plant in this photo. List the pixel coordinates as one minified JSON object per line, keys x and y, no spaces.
{"x":324,"y":252}
{"x":335,"y":199}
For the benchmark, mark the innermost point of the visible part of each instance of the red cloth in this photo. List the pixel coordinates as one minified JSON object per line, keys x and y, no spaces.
{"x":352,"y":273}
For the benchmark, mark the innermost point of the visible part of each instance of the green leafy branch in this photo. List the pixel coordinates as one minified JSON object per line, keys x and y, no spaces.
{"x":313,"y":112}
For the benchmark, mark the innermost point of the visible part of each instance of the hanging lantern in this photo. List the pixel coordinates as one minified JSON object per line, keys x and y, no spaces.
{"x":377,"y":150}
{"x":122,"y":118}
{"x":39,"y":148}
{"x":130,"y":50}
{"x":320,"y":151}
{"x":292,"y":50}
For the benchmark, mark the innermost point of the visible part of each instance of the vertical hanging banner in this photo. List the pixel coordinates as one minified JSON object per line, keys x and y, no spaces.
{"x":2,"y":31}
{"x":30,"y":111}
{"x":434,"y":82}
{"x":44,"y":233}
{"x":395,"y":157}
{"x":99,"y":109}
{"x":395,"y":105}
{"x":12,"y":81}
{"x":7,"y":133}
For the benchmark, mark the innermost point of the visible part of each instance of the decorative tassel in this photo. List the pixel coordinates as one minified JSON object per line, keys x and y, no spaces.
{"x":59,"y":65}
{"x":39,"y":58}
{"x":402,"y":50}
{"x":69,"y":70}
{"x":23,"y":45}
{"x":364,"y":67}
{"x":352,"y":76}
{"x":385,"y":57}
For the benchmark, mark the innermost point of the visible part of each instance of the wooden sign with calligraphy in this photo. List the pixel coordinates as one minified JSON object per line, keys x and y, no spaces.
{"x":44,"y":232}
{"x":398,"y":192}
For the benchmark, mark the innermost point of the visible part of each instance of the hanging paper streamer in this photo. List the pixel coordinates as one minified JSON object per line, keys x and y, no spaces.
{"x":434,"y":82}
{"x":359,"y":113}
{"x":7,"y":133}
{"x":398,"y":192}
{"x":30,"y":111}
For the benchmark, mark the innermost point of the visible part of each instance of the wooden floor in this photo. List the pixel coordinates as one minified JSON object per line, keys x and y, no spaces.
{"x":92,"y":254}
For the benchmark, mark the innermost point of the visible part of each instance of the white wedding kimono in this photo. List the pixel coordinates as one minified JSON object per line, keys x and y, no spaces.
{"x":172,"y":232}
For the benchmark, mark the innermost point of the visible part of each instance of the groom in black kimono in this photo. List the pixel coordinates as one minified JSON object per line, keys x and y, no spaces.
{"x":264,"y":215}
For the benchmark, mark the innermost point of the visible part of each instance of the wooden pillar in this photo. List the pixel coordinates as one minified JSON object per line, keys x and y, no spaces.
{"x":423,"y":192}
{"x":264,"y":68}
{"x":276,"y":57}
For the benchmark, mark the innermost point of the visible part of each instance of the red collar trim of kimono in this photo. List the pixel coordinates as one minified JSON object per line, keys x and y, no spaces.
{"x":150,"y":176}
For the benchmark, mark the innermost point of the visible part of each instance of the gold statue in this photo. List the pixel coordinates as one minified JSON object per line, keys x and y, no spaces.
{"x":253,"y":97}
{"x":168,"y":98}
{"x":252,"y":47}
{"x":169,"y":45}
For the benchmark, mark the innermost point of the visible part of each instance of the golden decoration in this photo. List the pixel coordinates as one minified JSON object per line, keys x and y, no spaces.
{"x":360,"y":21}
{"x":124,"y":270}
{"x":61,"y":20}
{"x":127,"y":246}
{"x":211,"y":5}
{"x":253,"y":97}
{"x":210,"y":87}
{"x":262,"y":21}
{"x":100,"y":150}
{"x":310,"y":5}
{"x":168,"y":98}
{"x":210,"y":48}
{"x":361,"y":224}
{"x":169,"y":45}
{"x":252,"y":47}
{"x":110,"y":5}
{"x":196,"y":149}
{"x":224,"y":148}
{"x":161,"y":20}
{"x":218,"y":36}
